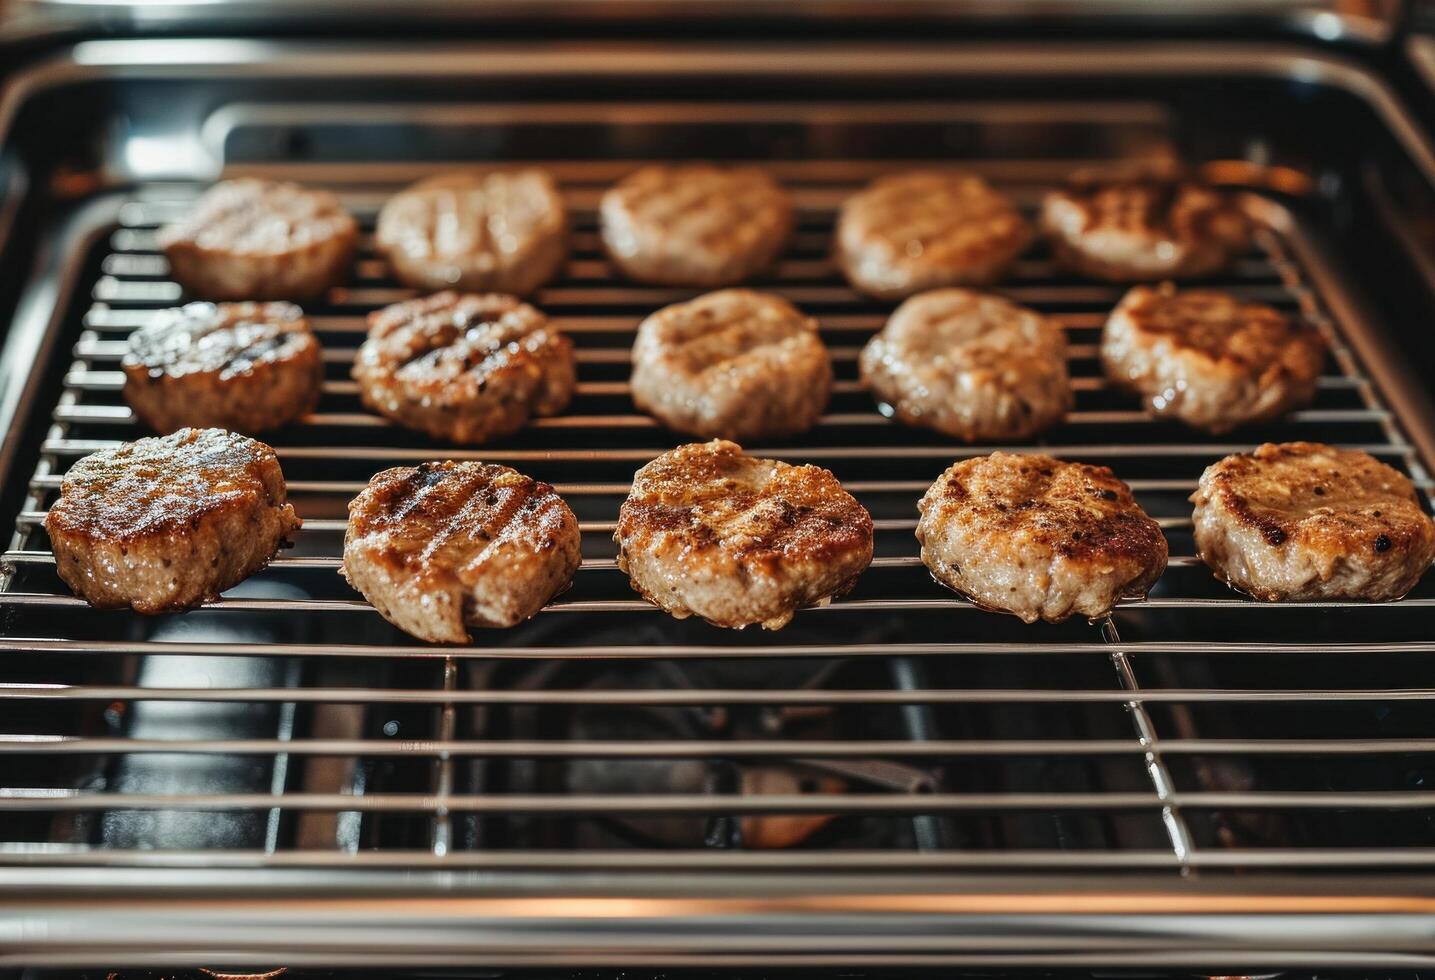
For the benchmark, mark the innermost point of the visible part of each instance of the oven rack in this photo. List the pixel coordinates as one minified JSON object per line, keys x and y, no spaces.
{"x":1179,"y":815}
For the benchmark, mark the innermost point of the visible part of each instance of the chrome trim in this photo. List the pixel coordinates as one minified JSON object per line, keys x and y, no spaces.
{"x":511,"y":918}
{"x":1320,"y":20}
{"x":216,"y":58}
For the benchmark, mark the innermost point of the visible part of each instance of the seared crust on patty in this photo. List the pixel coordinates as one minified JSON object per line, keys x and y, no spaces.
{"x":253,"y":239}
{"x":502,"y":231}
{"x":169,"y":522}
{"x":1038,"y":537}
{"x":441,"y":545}
{"x":1307,"y":521}
{"x":710,"y":531}
{"x":905,"y":233}
{"x":469,"y":368}
{"x":1209,"y":359}
{"x":733,"y":364}
{"x":246,"y":367}
{"x":1144,"y":229}
{"x":695,"y":225}
{"x":973,"y":366}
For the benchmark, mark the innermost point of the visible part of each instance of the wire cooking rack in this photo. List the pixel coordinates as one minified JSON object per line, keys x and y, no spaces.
{"x":288,"y":725}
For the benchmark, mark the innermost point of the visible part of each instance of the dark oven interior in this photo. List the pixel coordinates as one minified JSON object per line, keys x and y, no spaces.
{"x":900,"y":731}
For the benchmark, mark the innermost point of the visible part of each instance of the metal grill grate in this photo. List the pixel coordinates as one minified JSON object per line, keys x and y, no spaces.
{"x":287,"y":724}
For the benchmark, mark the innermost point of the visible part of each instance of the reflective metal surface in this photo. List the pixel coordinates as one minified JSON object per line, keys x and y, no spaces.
{"x":281,"y":777}
{"x":1358,"y":21}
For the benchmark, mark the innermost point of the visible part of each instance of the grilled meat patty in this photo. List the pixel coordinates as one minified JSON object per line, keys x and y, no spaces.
{"x":441,"y":545}
{"x":1307,"y":521}
{"x":503,"y":232}
{"x":169,"y":522}
{"x":733,"y":364}
{"x":710,"y":531}
{"x":695,"y":225}
{"x":1144,"y":229}
{"x":468,"y":368}
{"x":246,"y":367}
{"x":1209,"y":359}
{"x":909,"y":232}
{"x":257,"y":239}
{"x":972,"y":366}
{"x":1038,"y":537}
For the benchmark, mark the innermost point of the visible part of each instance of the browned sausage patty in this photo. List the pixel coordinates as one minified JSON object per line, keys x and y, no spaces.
{"x":733,"y":364}
{"x":257,"y":239}
{"x":168,"y":522}
{"x":710,"y":531}
{"x":441,"y":545}
{"x":468,"y":368}
{"x":695,"y":225}
{"x":1142,"y":230}
{"x":502,"y":232}
{"x":1209,"y":359}
{"x":1038,"y":537}
{"x":973,"y":366}
{"x":909,"y":232}
{"x":246,"y":367}
{"x":1307,"y":521}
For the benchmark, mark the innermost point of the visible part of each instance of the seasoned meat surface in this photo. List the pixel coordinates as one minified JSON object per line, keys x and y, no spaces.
{"x":441,"y":545}
{"x":502,"y":232}
{"x":972,"y":366}
{"x":1209,"y":359}
{"x":733,"y":364}
{"x":1038,"y":537}
{"x":1307,"y":521}
{"x":246,"y":367}
{"x":169,"y":522}
{"x":257,"y":239}
{"x":695,"y":225}
{"x":710,"y":531}
{"x":468,"y":368}
{"x":1144,"y":229}
{"x":910,"y":232}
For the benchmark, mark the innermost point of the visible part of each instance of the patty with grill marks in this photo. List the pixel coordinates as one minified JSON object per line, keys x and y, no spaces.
{"x":168,"y":522}
{"x":733,"y":364}
{"x":503,"y":232}
{"x":972,"y":366}
{"x":440,"y":546}
{"x":909,"y":232}
{"x":257,"y":239}
{"x":1144,"y":229}
{"x":246,"y":367}
{"x":468,"y":368}
{"x":695,"y":225}
{"x":1038,"y":537}
{"x":1209,"y":359}
{"x":1306,"y":521}
{"x":712,"y":532}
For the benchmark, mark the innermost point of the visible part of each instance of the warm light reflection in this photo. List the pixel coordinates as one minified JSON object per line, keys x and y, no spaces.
{"x":170,"y":52}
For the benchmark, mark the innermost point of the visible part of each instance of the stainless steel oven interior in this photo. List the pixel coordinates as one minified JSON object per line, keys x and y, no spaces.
{"x":897,"y":779}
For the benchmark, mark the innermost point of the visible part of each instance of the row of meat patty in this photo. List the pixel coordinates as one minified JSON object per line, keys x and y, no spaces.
{"x":168,"y":522}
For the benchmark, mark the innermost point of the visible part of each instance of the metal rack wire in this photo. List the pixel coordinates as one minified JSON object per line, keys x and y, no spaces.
{"x":1195,"y":731}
